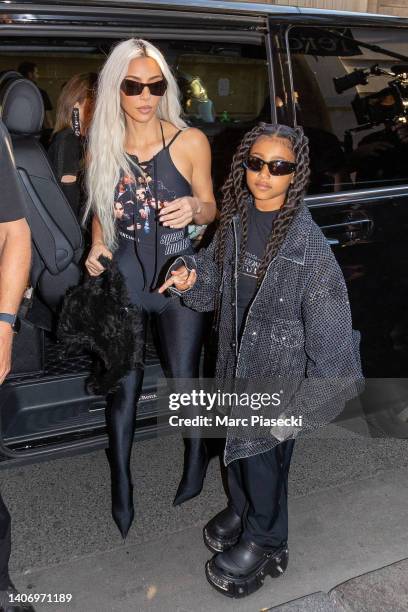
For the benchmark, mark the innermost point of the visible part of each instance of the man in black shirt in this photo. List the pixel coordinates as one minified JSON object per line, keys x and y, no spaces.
{"x":15,"y":259}
{"x":29,"y":70}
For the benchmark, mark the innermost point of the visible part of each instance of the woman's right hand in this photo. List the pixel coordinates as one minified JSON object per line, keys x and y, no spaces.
{"x":94,"y":267}
{"x":182,"y":279}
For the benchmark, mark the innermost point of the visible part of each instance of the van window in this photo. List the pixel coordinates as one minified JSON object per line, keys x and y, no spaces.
{"x":350,"y":92}
{"x":224,"y":91}
{"x":224,"y":87}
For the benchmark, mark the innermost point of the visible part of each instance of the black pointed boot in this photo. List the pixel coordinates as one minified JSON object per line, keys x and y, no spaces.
{"x":196,"y":461}
{"x":122,"y":507}
{"x":241,"y":570}
{"x":223,"y":530}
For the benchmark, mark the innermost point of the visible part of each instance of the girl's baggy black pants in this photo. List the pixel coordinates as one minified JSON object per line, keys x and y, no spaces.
{"x":258,"y":492}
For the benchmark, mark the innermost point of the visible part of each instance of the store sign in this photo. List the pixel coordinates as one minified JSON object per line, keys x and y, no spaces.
{"x":314,"y":41}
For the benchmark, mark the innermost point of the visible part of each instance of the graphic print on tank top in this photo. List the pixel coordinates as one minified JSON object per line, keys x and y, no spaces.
{"x":135,"y":203}
{"x":136,"y":209}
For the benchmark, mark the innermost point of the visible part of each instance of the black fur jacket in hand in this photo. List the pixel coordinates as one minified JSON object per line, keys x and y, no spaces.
{"x":97,"y":317}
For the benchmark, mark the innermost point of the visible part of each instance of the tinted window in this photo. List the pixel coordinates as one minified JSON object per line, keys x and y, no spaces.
{"x":224,"y":86}
{"x":352,"y":101}
{"x":224,"y":91}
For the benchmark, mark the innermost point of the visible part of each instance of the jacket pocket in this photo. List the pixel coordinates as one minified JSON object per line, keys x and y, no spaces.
{"x":287,"y":334}
{"x":286,"y":353}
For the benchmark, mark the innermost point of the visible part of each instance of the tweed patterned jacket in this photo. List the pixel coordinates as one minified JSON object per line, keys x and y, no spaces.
{"x":298,"y":328}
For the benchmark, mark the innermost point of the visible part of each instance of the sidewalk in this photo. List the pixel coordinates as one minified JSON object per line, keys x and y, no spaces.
{"x":348,"y":501}
{"x":383,"y":589}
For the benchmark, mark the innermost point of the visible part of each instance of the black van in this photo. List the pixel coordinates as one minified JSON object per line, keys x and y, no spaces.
{"x":343,"y":76}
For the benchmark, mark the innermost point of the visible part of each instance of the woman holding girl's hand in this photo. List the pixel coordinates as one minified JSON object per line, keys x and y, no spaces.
{"x":182,"y":279}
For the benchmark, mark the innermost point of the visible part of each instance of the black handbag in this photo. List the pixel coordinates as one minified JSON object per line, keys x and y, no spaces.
{"x":97,"y":317}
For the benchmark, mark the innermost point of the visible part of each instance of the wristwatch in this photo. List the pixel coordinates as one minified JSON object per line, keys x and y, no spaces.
{"x":12,"y":319}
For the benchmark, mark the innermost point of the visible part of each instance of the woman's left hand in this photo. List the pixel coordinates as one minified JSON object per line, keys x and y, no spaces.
{"x":179,"y":213}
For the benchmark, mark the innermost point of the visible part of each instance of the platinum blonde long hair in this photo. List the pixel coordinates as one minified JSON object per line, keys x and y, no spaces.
{"x":106,"y":153}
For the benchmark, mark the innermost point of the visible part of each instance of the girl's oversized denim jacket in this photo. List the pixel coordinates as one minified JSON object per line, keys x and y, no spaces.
{"x":298,"y":330}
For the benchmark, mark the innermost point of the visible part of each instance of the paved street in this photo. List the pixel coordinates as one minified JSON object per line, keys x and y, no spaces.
{"x":347,"y":501}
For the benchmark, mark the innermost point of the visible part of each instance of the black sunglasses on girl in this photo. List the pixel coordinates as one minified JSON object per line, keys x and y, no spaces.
{"x":277,"y":167}
{"x":135,"y":88}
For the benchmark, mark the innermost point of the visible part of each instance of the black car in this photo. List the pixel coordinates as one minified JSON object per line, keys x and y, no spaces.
{"x":342,"y":76}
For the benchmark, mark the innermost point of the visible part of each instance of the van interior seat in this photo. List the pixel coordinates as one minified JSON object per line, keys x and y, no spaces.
{"x":56,"y":235}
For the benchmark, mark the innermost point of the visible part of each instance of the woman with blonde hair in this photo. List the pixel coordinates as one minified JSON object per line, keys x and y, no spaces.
{"x":66,"y":151}
{"x":149,"y":177}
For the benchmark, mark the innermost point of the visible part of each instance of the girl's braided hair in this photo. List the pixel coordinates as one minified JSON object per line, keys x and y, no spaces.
{"x":235,"y":194}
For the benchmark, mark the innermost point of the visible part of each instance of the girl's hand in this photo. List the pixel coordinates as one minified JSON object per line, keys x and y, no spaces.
{"x":94,"y":267}
{"x":180,"y":212}
{"x":181,"y":278}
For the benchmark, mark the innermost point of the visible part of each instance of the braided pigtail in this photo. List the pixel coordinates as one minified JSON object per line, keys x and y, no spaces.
{"x":294,"y":195}
{"x":235,"y":197}
{"x":235,"y":193}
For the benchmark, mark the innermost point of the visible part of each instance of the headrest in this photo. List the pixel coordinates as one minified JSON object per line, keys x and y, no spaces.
{"x":9,"y":74}
{"x":21,"y":104}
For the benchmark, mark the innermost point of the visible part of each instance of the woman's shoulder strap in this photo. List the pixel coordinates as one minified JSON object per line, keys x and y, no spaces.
{"x":174,"y":138}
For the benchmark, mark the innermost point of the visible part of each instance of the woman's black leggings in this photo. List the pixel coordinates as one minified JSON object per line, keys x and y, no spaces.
{"x":180,"y":333}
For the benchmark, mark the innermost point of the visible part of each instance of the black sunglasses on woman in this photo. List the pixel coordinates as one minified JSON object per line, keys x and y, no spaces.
{"x":135,"y":88}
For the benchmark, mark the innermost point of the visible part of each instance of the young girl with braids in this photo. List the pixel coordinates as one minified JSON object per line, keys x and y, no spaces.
{"x":281,"y":310}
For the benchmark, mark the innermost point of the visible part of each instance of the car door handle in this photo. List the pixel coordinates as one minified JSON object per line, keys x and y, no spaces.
{"x":333,"y":241}
{"x":349,"y":231}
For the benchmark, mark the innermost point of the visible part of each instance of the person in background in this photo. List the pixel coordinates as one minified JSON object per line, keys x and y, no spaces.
{"x":15,"y":259}
{"x":30,"y":71}
{"x":196,"y":104}
{"x":66,"y":152}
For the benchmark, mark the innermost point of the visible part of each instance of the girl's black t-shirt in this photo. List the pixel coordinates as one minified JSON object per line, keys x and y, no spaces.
{"x":260,"y":224}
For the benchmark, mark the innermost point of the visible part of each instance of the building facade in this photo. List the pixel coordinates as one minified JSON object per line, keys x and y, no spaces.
{"x":386,"y":7}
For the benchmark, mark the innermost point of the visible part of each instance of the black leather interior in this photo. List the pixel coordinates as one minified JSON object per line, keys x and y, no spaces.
{"x":23,"y":108}
{"x":56,"y":235}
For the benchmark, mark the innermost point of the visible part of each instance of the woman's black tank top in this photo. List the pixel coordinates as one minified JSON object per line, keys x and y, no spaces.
{"x":137,"y":201}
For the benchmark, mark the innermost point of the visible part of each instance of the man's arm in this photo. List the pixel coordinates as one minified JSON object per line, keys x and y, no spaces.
{"x":15,"y":262}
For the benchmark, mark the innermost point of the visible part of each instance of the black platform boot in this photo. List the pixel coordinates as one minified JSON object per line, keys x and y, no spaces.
{"x":240,"y":571}
{"x":223,"y":530}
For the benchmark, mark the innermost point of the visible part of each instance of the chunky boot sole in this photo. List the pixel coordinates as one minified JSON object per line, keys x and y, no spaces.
{"x":274,"y":565}
{"x":216,"y":545}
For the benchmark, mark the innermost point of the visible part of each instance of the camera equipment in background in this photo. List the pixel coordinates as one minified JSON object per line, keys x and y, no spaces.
{"x":388,"y":106}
